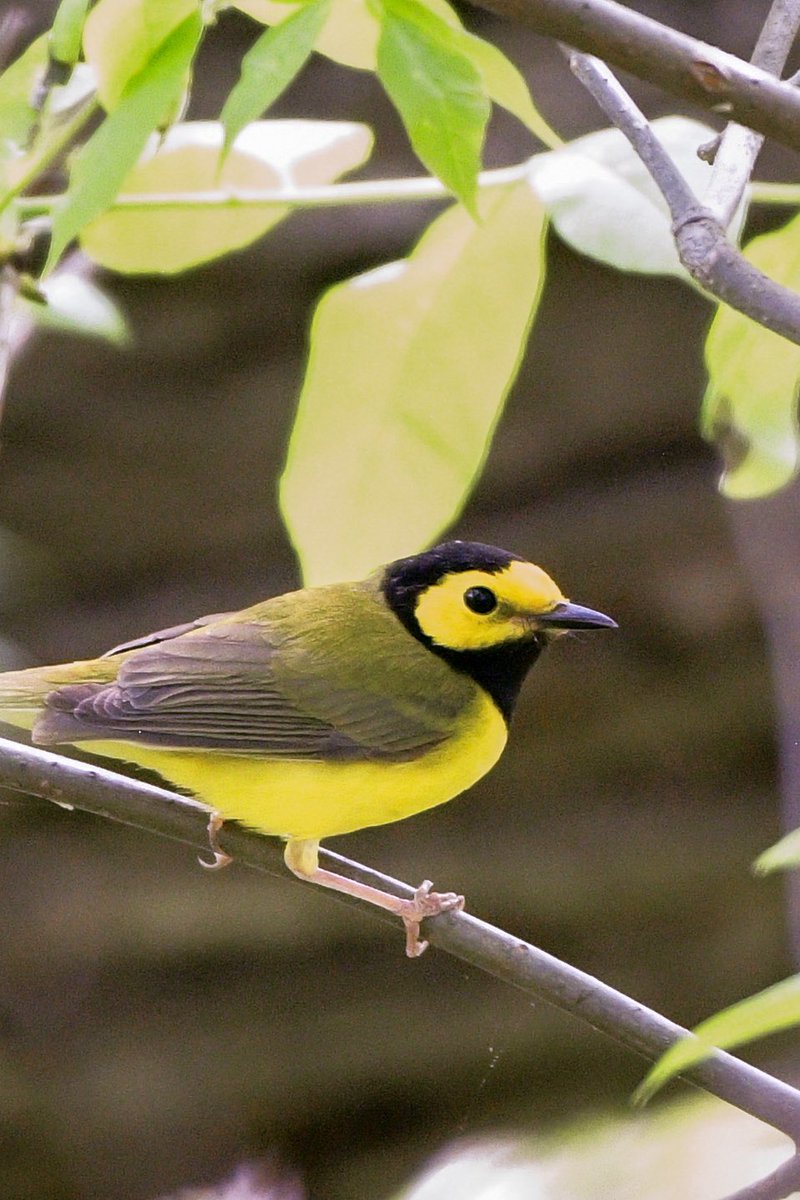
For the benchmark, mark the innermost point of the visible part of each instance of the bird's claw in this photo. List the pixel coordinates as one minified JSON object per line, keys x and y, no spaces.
{"x":221,"y":859}
{"x":426,"y":903}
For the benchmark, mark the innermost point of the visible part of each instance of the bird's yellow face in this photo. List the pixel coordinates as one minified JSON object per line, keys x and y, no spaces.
{"x":477,"y":610}
{"x":482,"y":609}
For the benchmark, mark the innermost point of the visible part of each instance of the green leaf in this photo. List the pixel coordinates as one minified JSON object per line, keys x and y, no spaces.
{"x":112,"y":150}
{"x":121,"y":37}
{"x":776,"y":1008}
{"x":67,"y":31}
{"x":270,"y":66}
{"x":66,"y":104}
{"x":266,"y":155}
{"x":73,"y":304}
{"x":783,"y":854}
{"x":408,"y":371}
{"x":603,"y":202}
{"x":750,"y":407}
{"x":438,"y":93}
{"x":17,"y":117}
{"x":350,"y":36}
{"x":506,"y":86}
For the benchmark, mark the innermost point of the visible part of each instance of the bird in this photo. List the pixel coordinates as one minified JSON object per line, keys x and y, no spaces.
{"x":324,"y":710}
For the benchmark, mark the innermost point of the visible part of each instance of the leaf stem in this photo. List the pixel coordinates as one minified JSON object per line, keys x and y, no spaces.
{"x":366,"y":191}
{"x":774,"y":193}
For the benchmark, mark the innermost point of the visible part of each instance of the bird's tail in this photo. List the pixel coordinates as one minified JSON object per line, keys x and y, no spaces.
{"x":23,"y":693}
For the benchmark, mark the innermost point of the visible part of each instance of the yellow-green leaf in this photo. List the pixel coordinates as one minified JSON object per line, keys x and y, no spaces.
{"x":774,"y":1009}
{"x":503,"y":82}
{"x":17,"y":83}
{"x":437,"y":91}
{"x":780,"y":856}
{"x":750,"y":406}
{"x":267,"y":155}
{"x":105,"y":160}
{"x":43,"y":130}
{"x":350,"y":36}
{"x":121,"y":36}
{"x":408,"y":370}
{"x":66,"y":31}
{"x":270,"y":65}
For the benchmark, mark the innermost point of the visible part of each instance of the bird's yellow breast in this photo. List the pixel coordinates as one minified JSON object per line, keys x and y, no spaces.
{"x":313,"y":799}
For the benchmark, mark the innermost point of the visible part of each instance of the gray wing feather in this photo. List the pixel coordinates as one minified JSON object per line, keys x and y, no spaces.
{"x":164,"y":635}
{"x":216,"y":690}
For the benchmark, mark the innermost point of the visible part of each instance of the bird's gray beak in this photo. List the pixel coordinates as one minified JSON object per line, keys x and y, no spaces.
{"x":574,"y":616}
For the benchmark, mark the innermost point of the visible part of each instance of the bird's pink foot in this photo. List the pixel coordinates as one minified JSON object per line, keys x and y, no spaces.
{"x":221,"y":859}
{"x":426,"y":903}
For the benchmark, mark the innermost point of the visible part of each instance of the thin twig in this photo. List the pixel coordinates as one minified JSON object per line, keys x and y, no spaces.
{"x":734,"y":160}
{"x":665,"y":57}
{"x":739,"y":146}
{"x":93,"y":789}
{"x":359,"y":191}
{"x":701,"y":242}
{"x":768,"y":192}
{"x":335,"y":195}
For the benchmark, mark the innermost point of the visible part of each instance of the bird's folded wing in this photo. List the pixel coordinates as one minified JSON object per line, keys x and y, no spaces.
{"x":215,"y":689}
{"x":165,"y":635}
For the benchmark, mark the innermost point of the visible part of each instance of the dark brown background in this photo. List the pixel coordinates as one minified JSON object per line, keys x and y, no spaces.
{"x":159,"y":1024}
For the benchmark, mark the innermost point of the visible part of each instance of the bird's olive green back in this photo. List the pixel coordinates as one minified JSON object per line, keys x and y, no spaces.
{"x":320,"y":673}
{"x":344,"y":656}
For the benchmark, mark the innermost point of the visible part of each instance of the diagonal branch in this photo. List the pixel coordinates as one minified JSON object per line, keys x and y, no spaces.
{"x":679,"y":64}
{"x":93,"y":789}
{"x":739,"y":146}
{"x":703,"y":248}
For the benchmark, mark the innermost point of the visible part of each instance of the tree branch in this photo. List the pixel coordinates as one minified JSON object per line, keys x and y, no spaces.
{"x":679,"y":64}
{"x":739,"y":147}
{"x":703,"y":248}
{"x":74,"y":784}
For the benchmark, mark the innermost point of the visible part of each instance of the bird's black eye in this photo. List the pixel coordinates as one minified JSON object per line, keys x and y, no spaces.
{"x":480,"y":599}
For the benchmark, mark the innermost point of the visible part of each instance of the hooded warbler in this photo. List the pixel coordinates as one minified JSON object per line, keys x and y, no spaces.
{"x":324,"y":710}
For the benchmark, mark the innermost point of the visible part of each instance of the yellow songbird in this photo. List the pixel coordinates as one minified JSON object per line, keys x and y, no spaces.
{"x":324,"y":710}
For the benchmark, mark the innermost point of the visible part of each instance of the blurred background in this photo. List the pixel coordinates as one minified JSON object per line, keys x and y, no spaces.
{"x":160,"y":1025}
